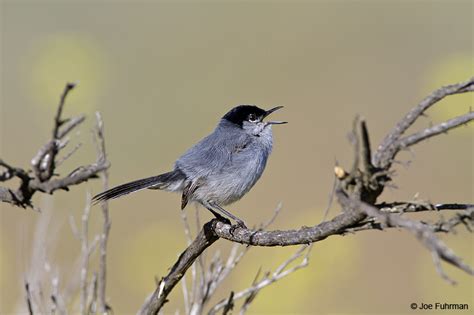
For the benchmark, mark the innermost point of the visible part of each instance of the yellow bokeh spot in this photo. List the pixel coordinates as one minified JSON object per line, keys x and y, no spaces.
{"x":457,"y":68}
{"x":149,"y":253}
{"x":65,"y":57}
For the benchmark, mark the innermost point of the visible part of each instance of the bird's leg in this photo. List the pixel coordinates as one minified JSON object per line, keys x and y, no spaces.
{"x":215,"y":206}
{"x":218,"y":216}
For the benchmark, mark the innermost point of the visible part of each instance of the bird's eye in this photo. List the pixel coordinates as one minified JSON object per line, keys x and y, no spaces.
{"x":253,"y":118}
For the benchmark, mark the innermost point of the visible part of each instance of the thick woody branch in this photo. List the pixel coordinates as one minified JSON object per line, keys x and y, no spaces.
{"x":305,"y":235}
{"x":203,"y":240}
{"x":350,"y":221}
{"x":205,"y":284}
{"x":340,"y":225}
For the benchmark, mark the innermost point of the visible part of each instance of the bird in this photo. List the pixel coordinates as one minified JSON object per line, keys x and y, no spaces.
{"x":218,"y":170}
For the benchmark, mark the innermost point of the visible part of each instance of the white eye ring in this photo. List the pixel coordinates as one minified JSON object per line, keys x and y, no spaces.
{"x":253,"y":118}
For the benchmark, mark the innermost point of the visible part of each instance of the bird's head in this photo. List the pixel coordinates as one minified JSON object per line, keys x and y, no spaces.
{"x":250,"y":118}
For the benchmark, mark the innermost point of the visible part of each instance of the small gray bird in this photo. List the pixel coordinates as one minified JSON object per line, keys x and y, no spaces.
{"x":221,"y":168}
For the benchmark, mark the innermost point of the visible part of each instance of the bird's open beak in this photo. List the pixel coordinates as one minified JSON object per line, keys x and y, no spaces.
{"x":268,"y":112}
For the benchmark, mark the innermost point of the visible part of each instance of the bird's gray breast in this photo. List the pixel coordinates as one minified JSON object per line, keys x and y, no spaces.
{"x":244,"y":170}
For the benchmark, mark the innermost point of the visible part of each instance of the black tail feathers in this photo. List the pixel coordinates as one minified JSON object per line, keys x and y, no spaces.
{"x":154,"y":182}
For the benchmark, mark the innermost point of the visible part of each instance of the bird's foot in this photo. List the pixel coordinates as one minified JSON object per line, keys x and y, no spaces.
{"x":240,"y":224}
{"x":224,"y":220}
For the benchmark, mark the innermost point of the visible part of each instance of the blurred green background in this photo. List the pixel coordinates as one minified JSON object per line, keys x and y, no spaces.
{"x":163,"y":73}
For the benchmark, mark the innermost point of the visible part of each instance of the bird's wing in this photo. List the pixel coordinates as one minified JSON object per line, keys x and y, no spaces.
{"x":212,"y":154}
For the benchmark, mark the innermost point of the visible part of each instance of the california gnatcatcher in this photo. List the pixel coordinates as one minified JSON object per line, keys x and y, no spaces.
{"x":220,"y":168}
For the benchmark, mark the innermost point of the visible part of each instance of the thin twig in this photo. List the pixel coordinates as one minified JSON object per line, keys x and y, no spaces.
{"x":387,"y":148}
{"x":423,"y":232}
{"x":401,"y":207}
{"x":92,"y":292}
{"x":366,"y":149}
{"x":84,"y":255}
{"x":187,"y":233}
{"x":28,"y":299}
{"x":203,"y":240}
{"x":69,"y":154}
{"x":101,"y":284}
{"x":280,"y":272}
{"x":330,"y":199}
{"x":229,"y":305}
{"x":435,"y":130}
{"x":57,"y":119}
{"x":44,"y":164}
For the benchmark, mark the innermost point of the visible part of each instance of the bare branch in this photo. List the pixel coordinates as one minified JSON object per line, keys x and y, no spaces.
{"x":69,"y":154}
{"x":330,"y":198}
{"x":270,"y":221}
{"x":69,"y":125}
{"x":84,"y":255}
{"x":78,"y":176}
{"x":400,"y":207}
{"x":424,"y":233}
{"x":280,"y":272}
{"x":44,"y":163}
{"x":305,"y":235}
{"x":92,"y":292}
{"x":230,"y":304}
{"x":387,"y":148}
{"x":203,"y":240}
{"x":435,"y":130}
{"x":11,"y":172}
{"x":465,"y":218}
{"x":187,"y":233}
{"x":366,"y":149}
{"x":218,"y":271}
{"x":187,"y":228}
{"x":58,"y":121}
{"x":340,"y":225}
{"x":28,"y":299}
{"x":102,"y":158}
{"x":213,"y":229}
{"x":354,"y":139}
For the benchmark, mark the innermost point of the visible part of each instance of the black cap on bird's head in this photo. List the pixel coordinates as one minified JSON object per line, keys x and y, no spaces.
{"x":250,"y":113}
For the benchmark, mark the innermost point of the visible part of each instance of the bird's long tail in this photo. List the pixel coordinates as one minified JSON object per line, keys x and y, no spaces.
{"x":168,"y":180}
